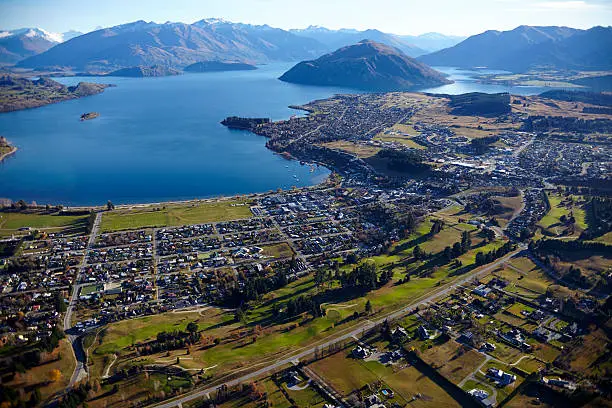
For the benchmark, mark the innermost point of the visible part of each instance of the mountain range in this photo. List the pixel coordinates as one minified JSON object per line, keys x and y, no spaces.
{"x":178,"y":45}
{"x":175,"y":45}
{"x":528,"y":47}
{"x":366,"y":65}
{"x":410,"y":45}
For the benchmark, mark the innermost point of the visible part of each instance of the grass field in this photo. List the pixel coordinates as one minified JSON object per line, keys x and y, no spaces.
{"x":453,"y":360}
{"x":346,"y":375}
{"x":353,"y":148}
{"x":282,"y":250}
{"x":127,"y":332}
{"x":524,"y":278}
{"x":406,"y":141}
{"x":563,"y":206}
{"x":174,"y":215}
{"x":11,"y":222}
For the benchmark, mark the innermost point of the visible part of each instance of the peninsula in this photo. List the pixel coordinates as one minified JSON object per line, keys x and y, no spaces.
{"x":21,"y":93}
{"x":367,"y":65}
{"x":142,"y":71}
{"x":6,"y":149}
{"x":235,"y":122}
{"x":219,"y":66}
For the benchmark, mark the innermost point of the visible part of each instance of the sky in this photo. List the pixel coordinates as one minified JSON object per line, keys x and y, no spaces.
{"x":451,"y":17}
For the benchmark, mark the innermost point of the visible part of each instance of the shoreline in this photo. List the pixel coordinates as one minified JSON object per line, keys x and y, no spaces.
{"x":9,"y":153}
{"x":204,"y":200}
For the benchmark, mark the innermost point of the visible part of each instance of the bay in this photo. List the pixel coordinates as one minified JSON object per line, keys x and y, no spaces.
{"x":159,"y":139}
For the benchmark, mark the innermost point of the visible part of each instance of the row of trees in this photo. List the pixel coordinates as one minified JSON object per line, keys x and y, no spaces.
{"x":458,"y":248}
{"x":488,"y":257}
{"x":172,"y":340}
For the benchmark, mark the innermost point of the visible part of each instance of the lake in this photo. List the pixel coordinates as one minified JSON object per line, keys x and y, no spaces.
{"x":159,"y":139}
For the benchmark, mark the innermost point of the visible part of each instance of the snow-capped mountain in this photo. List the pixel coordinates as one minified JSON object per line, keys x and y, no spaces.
{"x":22,"y":43}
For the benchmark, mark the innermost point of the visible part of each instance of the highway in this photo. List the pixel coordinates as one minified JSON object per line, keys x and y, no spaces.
{"x":365,"y":326}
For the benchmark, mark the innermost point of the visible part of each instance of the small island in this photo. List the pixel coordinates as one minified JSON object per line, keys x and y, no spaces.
{"x":89,"y":116}
{"x":235,"y":122}
{"x":219,"y":66}
{"x":6,"y":148}
{"x":18,"y":93}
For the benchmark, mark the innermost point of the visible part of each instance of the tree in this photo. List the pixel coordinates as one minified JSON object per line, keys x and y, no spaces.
{"x":110,"y":206}
{"x":55,"y":375}
{"x":417,"y":252}
{"x":448,"y":253}
{"x":60,"y":305}
{"x":192,"y":327}
{"x":368,"y":307}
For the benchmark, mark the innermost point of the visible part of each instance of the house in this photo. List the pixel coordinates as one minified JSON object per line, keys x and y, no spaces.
{"x":292,"y":377}
{"x":373,"y":401}
{"x":478,"y":394}
{"x":500,"y":377}
{"x":360,"y":352}
{"x":489,"y":346}
{"x":482,"y":290}
{"x":424,"y":333}
{"x":399,"y":335}
{"x":559,"y":383}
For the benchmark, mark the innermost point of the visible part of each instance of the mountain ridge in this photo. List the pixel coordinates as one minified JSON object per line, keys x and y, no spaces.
{"x":527,"y":47}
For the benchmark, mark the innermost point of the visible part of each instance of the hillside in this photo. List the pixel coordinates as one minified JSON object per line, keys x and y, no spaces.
{"x":175,"y":45}
{"x":18,"y":44}
{"x":143,"y":71}
{"x":366,"y":65}
{"x":217,"y":66}
{"x":528,"y":47}
{"x":21,"y":93}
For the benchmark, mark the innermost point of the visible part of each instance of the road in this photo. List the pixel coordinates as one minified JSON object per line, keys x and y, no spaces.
{"x":80,"y":370}
{"x":367,"y":325}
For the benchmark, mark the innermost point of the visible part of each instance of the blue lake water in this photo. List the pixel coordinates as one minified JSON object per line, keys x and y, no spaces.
{"x":160,"y":139}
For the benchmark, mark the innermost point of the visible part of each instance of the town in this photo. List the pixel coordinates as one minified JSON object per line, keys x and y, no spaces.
{"x":451,"y":259}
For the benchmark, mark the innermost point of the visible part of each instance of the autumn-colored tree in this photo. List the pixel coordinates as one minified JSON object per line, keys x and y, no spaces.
{"x":55,"y":375}
{"x":254,"y":392}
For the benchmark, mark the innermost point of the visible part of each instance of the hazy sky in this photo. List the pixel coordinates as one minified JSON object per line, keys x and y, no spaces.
{"x":462,"y":17}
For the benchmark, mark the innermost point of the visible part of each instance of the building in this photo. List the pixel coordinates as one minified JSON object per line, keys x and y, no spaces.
{"x":399,"y":334}
{"x":482,"y":290}
{"x":423,"y":333}
{"x":360,"y":352}
{"x":500,"y":376}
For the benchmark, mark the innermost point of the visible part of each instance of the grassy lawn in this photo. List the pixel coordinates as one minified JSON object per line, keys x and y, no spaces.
{"x":11,"y":222}
{"x":282,"y":250}
{"x":174,"y":215}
